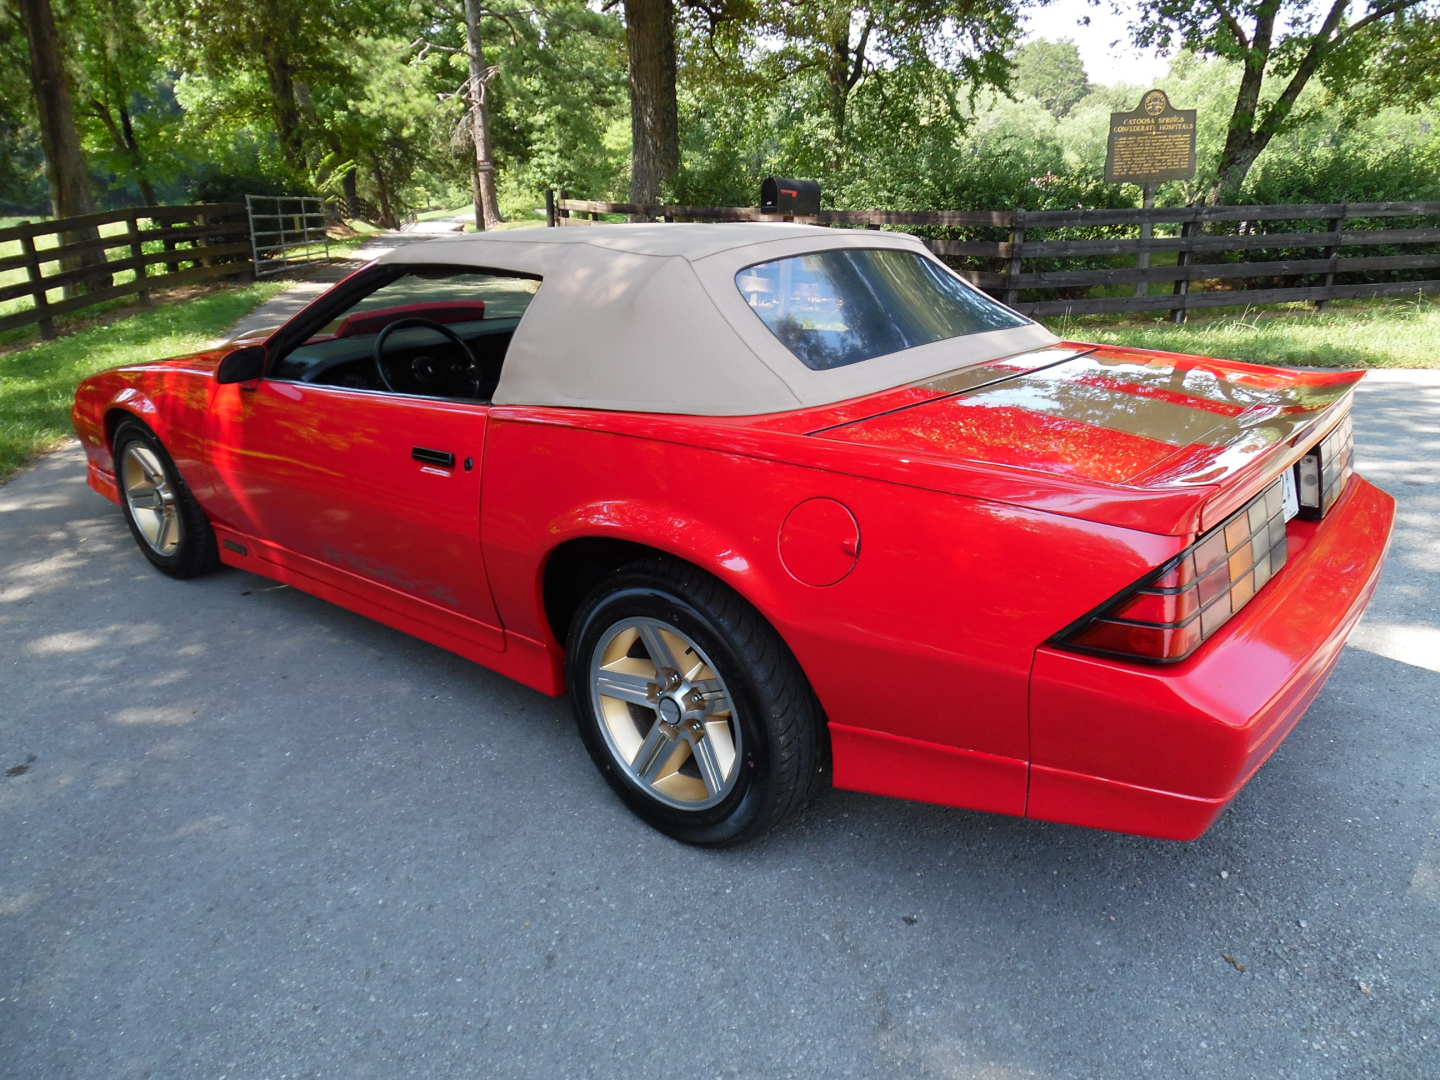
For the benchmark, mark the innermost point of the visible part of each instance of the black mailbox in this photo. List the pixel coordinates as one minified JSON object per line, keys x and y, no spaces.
{"x":782,"y":195}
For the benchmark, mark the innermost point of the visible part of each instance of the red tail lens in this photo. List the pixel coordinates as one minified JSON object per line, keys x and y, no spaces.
{"x":1170,"y":612}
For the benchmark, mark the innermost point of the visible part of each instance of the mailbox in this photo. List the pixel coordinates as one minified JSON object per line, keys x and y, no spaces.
{"x":782,"y":195}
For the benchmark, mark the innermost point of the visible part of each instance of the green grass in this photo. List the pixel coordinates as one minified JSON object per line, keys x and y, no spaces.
{"x":38,"y":383}
{"x":1356,"y":333}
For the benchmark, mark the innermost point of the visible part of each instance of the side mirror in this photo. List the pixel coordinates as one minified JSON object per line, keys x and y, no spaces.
{"x":242,"y":365}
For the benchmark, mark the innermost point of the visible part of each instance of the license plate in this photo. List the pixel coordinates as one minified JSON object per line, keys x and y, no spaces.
{"x":1292,"y":495}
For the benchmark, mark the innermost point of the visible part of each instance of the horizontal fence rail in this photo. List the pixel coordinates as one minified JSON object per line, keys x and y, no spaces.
{"x":186,"y":244}
{"x":1080,"y":262}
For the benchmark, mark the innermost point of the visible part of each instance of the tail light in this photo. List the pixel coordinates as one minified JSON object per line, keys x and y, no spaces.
{"x":1169,"y":613}
{"x":1323,"y":471}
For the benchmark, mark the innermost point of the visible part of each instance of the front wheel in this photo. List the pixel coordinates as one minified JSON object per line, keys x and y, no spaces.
{"x":168,"y":524}
{"x":691,"y":705}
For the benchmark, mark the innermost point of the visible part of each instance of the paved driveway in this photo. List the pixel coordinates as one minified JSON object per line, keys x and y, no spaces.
{"x":247,"y":834}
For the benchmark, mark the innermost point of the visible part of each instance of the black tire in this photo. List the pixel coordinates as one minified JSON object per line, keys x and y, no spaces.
{"x":779,"y":758}
{"x":196,"y":552}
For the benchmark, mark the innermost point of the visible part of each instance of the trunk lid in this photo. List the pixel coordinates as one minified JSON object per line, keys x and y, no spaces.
{"x":1125,"y":417}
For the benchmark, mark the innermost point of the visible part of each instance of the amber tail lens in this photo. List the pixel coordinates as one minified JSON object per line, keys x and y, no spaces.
{"x":1170,"y":613}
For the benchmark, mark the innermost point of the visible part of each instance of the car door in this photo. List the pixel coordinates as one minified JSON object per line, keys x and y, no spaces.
{"x":381,"y":489}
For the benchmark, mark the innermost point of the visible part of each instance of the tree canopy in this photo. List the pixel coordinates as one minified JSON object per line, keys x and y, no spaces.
{"x":901,"y":103}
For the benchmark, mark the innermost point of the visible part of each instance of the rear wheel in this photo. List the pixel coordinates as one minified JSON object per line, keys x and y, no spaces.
{"x":691,"y":705}
{"x":166,"y":521}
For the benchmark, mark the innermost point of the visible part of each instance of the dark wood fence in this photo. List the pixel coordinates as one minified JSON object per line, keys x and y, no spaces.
{"x":185,"y":244}
{"x":1078,"y":262}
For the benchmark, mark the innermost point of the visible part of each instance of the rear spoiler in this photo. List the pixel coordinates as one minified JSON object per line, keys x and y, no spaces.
{"x":1257,"y":475}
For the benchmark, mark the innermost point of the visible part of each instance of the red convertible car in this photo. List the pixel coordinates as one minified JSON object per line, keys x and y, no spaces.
{"x":782,"y":505}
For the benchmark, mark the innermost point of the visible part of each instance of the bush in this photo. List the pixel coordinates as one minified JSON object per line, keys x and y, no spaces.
{"x":218,"y":186}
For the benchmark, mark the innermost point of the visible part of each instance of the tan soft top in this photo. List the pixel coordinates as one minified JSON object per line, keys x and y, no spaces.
{"x":647,"y":318}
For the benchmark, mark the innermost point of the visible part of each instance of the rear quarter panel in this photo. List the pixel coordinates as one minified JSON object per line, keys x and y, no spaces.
{"x":929,"y":638}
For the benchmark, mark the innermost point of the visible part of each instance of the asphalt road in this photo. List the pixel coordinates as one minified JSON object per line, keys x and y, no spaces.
{"x":247,"y":834}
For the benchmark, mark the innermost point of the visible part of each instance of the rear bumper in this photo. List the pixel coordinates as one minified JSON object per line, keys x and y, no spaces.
{"x":1161,"y":751}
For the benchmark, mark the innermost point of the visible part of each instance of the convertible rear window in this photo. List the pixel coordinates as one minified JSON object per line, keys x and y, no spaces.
{"x":838,"y":307}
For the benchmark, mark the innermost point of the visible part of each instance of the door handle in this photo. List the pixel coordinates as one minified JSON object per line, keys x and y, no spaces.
{"x":443,"y":458}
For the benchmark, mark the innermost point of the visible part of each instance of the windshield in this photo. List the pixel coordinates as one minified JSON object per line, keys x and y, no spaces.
{"x":838,"y":307}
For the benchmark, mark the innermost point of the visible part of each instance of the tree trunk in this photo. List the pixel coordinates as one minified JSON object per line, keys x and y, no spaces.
{"x":654,"y":121}
{"x":137,"y":158}
{"x":1235,"y":164}
{"x":351,"y":184}
{"x":284,"y":107}
{"x":837,"y":76}
{"x":382,"y":192}
{"x":487,"y":206}
{"x":123,"y":136}
{"x":65,"y":167}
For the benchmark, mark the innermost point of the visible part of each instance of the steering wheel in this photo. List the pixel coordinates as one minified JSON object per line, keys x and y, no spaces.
{"x":472,"y":366}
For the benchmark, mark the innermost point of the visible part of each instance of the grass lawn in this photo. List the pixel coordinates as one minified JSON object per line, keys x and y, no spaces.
{"x":37,"y":383}
{"x":1402,"y":333}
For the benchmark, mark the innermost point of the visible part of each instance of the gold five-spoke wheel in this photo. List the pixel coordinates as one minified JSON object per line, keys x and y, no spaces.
{"x":150,"y":498}
{"x":665,"y":713}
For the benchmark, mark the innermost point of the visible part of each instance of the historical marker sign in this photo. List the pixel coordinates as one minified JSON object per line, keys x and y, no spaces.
{"x":1153,"y":144}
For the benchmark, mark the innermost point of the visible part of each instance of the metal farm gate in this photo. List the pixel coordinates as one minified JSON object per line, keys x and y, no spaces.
{"x":286,"y":231}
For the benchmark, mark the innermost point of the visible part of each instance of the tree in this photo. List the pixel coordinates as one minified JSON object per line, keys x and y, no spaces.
{"x":22,"y":162}
{"x":1289,"y":43}
{"x":293,"y":44}
{"x":1052,"y":73}
{"x":654,"y":118}
{"x":849,"y":43}
{"x":487,"y":206}
{"x":65,"y":166}
{"x":118,"y":62}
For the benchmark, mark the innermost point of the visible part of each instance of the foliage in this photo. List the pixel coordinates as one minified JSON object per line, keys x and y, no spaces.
{"x":894,"y":103}
{"x":1283,"y":45}
{"x":1052,"y":73}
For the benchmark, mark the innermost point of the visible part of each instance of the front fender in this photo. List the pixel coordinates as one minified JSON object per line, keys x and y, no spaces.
{"x":172,"y":399}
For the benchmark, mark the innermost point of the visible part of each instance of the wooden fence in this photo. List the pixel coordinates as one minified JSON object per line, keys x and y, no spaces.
{"x":1078,"y":262}
{"x":213,"y":239}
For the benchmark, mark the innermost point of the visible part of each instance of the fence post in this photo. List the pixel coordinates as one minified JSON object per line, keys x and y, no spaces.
{"x":550,"y":220}
{"x":202,"y":241}
{"x":37,"y":286}
{"x":1331,"y":253}
{"x":1147,"y":230}
{"x":172,"y":266}
{"x":1179,"y":314}
{"x":137,"y":252}
{"x":1017,"y":242}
